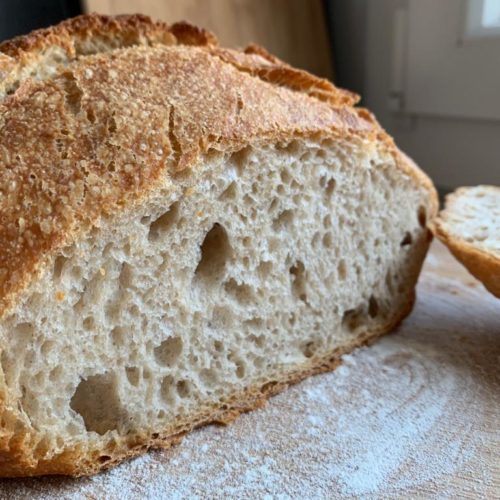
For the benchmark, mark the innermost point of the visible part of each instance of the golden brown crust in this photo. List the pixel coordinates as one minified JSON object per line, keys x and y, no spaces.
{"x":258,"y":62}
{"x":70,"y":34}
{"x":483,"y":265}
{"x":96,"y":135}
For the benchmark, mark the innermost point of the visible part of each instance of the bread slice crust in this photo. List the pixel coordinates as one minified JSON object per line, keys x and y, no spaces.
{"x":482,"y":264}
{"x":92,"y":56}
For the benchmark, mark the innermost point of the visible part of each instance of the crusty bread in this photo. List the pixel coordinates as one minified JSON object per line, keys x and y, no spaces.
{"x":184,"y":230}
{"x":469,"y":226}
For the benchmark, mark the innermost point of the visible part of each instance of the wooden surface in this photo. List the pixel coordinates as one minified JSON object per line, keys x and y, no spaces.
{"x":294,"y":30}
{"x":415,"y":415}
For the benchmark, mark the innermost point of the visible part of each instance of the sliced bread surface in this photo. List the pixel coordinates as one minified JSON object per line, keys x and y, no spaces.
{"x":469,"y":226}
{"x":184,"y":230}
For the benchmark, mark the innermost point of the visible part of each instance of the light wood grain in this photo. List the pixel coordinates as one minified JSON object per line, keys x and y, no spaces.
{"x":416,"y":415}
{"x":294,"y":30}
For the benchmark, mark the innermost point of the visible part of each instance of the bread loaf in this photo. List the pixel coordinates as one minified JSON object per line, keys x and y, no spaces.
{"x":184,"y":230}
{"x":469,"y":226}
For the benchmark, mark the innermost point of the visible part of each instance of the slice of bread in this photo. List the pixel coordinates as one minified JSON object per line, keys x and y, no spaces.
{"x":469,"y":226}
{"x":184,"y":231}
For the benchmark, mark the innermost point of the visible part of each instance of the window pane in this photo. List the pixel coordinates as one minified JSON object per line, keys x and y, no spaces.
{"x":491,"y":14}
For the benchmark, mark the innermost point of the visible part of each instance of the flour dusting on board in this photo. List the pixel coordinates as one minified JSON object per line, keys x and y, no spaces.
{"x":415,"y":414}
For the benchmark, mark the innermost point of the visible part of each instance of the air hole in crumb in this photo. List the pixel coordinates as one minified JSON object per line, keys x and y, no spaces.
{"x":298,"y":276}
{"x":315,"y":240}
{"x":218,"y":346}
{"x":308,"y":349}
{"x":215,"y":251}
{"x":388,"y":281}
{"x":134,"y":311}
{"x":274,"y":204}
{"x":47,"y":346}
{"x":373,"y":307}
{"x":230,"y":192}
{"x":40,"y":379}
{"x":283,"y":220}
{"x":169,"y":351}
{"x":125,"y":278}
{"x":56,"y":374}
{"x":257,"y":323}
{"x":118,"y":335}
{"x":240,"y":369}
{"x":264,"y":269}
{"x":327,"y":240}
{"x":183,"y":388}
{"x":133,"y":375}
{"x":353,"y":318}
{"x":89,"y":323}
{"x":241,"y":292}
{"x":407,"y":239}
{"x":104,"y":458}
{"x":167,"y":389}
{"x":59,"y":266}
{"x":330,"y":187}
{"x":285,"y":176}
{"x":293,"y":147}
{"x":163,"y":223}
{"x":96,"y":400}
{"x":240,"y":158}
{"x":258,"y":340}
{"x":342,"y":269}
{"x":422,"y":216}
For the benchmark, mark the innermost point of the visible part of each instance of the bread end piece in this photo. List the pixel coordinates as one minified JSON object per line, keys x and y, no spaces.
{"x":469,"y":226}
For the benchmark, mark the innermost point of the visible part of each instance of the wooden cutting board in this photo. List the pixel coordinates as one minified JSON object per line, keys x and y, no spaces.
{"x":415,"y":415}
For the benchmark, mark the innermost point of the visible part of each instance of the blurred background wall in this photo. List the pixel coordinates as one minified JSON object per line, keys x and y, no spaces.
{"x":295,"y":30}
{"x":430,"y":70}
{"x":432,"y":80}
